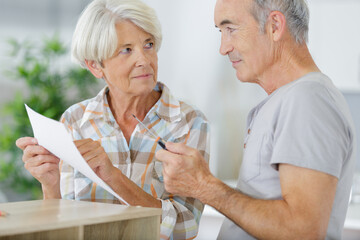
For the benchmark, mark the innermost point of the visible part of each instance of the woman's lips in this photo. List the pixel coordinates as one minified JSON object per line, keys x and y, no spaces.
{"x":143,"y":76}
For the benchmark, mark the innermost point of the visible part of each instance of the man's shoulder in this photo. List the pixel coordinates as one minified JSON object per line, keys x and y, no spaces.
{"x":309,"y":91}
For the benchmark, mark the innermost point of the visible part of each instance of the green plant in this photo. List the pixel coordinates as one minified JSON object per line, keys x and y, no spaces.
{"x":50,"y":89}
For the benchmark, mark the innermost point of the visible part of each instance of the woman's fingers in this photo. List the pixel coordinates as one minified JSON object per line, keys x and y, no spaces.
{"x":89,"y":149}
{"x":95,"y":155}
{"x":33,"y":150}
{"x":95,"y":152}
{"x":83,"y":142}
{"x":41,"y":171}
{"x":41,"y":164}
{"x":86,"y":146}
{"x":40,"y":160}
{"x":23,"y":142}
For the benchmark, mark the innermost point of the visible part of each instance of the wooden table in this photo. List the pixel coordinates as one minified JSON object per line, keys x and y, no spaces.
{"x":68,"y":219}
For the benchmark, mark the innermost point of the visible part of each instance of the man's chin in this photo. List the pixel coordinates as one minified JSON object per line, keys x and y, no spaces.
{"x":242,"y":77}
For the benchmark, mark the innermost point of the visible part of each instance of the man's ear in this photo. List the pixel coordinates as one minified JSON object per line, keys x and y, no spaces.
{"x":276,"y":25}
{"x":94,"y":68}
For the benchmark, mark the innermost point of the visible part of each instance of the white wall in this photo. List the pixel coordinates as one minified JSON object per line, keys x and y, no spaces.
{"x":335,"y":40}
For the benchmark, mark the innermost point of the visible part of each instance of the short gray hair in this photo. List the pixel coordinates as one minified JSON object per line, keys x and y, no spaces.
{"x":296,"y":13}
{"x":95,"y":36}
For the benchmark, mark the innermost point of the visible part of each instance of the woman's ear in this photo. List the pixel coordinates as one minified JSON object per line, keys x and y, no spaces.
{"x":94,"y":68}
{"x":276,"y":25}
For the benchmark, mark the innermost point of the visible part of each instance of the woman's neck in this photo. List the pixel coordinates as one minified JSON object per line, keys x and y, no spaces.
{"x":123,"y":107}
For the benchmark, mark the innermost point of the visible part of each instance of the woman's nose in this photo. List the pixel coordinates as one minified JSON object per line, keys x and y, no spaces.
{"x":142,"y":59}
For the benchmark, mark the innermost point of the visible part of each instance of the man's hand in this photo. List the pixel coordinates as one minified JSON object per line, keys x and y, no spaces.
{"x":42,"y":165}
{"x":95,"y":155}
{"x":185,"y":171}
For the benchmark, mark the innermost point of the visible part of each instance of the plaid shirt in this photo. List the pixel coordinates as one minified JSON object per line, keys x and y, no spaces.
{"x":172,"y":120}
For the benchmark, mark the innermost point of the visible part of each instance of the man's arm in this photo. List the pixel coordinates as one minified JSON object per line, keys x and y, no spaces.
{"x":303,"y":212}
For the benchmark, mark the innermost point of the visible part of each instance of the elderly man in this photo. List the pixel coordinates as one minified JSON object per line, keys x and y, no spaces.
{"x":296,"y":173}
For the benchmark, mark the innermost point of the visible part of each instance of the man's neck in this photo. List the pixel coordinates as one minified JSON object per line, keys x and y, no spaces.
{"x":293,"y":62}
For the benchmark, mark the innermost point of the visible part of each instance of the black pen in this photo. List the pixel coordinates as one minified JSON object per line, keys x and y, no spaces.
{"x":159,"y":140}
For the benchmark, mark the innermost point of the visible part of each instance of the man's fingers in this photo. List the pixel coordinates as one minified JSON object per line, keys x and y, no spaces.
{"x":23,"y":142}
{"x":165,"y":156}
{"x":170,"y":160}
{"x":180,"y":148}
{"x":175,"y":152}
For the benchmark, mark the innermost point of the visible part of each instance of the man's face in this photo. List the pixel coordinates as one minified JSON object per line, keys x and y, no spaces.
{"x":248,"y":49}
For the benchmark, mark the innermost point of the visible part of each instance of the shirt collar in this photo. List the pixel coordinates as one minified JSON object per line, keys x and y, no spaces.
{"x":97,"y":107}
{"x":167,"y":107}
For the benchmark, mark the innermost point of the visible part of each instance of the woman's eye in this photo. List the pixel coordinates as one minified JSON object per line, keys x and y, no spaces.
{"x":149,"y":45}
{"x":125,"y":50}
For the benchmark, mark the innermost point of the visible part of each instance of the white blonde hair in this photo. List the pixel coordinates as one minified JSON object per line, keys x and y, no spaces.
{"x":95,"y":36}
{"x":296,"y":13}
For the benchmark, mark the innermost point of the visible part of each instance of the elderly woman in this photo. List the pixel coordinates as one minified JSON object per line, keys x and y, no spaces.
{"x":118,"y":41}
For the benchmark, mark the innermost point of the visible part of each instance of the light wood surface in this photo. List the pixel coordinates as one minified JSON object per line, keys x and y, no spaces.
{"x":57,"y":218}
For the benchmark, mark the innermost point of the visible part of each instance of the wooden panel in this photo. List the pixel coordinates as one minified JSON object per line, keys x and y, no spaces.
{"x":46,"y":215}
{"x":75,"y":233}
{"x":140,"y":228}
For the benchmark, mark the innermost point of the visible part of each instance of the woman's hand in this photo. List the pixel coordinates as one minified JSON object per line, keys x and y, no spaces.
{"x":95,"y":155}
{"x":98,"y":160}
{"x":42,"y":165}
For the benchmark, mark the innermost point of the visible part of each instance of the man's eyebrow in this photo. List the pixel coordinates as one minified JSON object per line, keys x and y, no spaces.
{"x":224,"y":22}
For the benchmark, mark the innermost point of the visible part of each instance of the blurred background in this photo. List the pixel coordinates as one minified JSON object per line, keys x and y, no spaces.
{"x":189,"y":63}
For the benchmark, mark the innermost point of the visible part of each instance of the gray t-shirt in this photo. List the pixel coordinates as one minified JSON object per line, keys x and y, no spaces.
{"x":306,"y":123}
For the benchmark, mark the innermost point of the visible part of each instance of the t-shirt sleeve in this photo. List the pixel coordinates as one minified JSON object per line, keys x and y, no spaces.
{"x":311,"y":131}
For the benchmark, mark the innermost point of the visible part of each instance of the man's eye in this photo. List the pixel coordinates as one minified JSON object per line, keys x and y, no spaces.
{"x":230,"y":30}
{"x":125,"y":50}
{"x":149,"y":45}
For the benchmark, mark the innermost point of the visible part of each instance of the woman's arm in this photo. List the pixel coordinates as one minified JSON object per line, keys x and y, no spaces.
{"x":98,"y":160}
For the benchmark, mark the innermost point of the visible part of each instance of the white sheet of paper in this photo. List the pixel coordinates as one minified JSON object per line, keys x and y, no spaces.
{"x":53,"y":136}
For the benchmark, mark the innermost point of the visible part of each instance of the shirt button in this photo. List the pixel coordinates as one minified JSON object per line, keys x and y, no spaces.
{"x":249,"y":130}
{"x":244,"y":145}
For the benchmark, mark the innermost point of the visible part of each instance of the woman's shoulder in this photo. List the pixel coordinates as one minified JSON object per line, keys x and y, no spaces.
{"x":190,"y":112}
{"x":76,"y":111}
{"x":174,"y":107}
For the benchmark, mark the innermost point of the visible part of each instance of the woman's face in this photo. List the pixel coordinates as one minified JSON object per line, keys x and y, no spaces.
{"x":133,"y":68}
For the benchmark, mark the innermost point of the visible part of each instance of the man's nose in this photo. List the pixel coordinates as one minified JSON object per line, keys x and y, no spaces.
{"x":225,"y":46}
